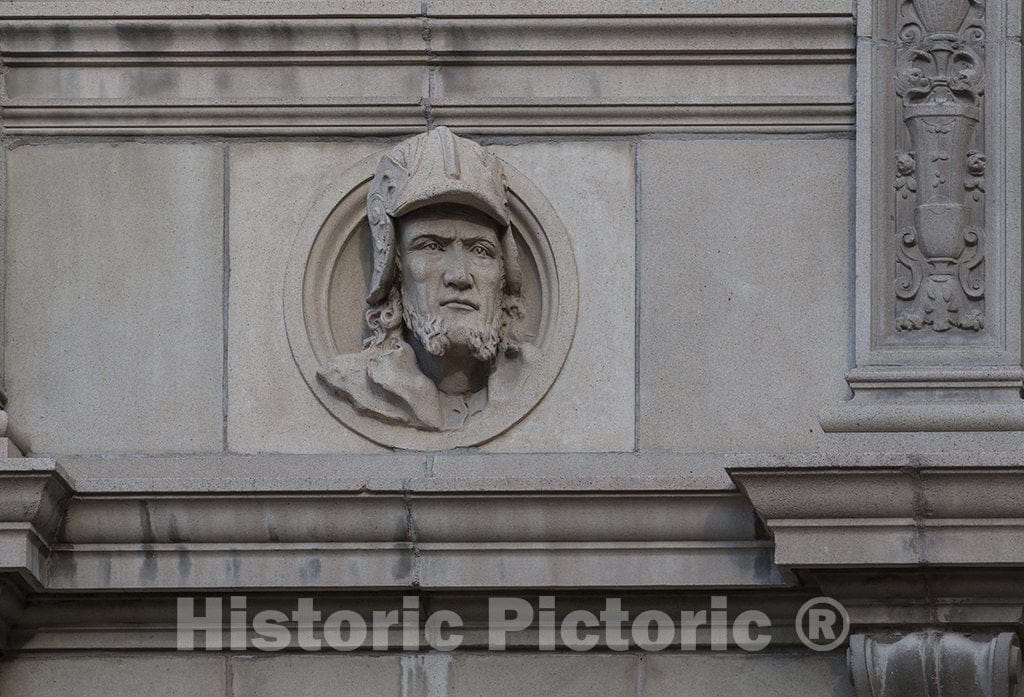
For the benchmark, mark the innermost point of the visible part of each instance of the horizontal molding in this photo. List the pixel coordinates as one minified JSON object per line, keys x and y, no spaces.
{"x":401,"y":473}
{"x":511,"y":40}
{"x":389,"y":524}
{"x":370,"y":120}
{"x":211,"y":567}
{"x":755,"y":117}
{"x":494,"y":516}
{"x":74,"y":9}
{"x":426,"y":539}
{"x":474,"y":473}
{"x":763,"y":67}
{"x":154,"y":9}
{"x":913,"y":417}
{"x":240,"y":120}
{"x":137,"y":621}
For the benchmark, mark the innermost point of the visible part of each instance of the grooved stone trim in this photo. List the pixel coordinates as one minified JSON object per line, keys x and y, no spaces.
{"x":361,"y":68}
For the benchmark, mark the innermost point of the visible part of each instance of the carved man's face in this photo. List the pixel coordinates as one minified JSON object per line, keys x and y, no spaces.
{"x":452,"y":279}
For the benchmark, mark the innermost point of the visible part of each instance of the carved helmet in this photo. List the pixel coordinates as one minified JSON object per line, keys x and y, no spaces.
{"x":432,"y":168}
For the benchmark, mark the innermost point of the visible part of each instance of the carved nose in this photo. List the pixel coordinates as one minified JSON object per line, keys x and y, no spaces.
{"x":456,"y":275}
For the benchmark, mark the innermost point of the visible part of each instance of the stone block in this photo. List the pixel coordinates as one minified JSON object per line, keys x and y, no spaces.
{"x":526,"y":675}
{"x":700,"y":674}
{"x":111,"y":675}
{"x":591,"y":405}
{"x":744,"y":273}
{"x":270,"y":675}
{"x":114,"y":290}
{"x":270,"y":407}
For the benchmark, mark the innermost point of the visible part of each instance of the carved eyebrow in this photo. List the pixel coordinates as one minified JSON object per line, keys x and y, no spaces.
{"x":470,"y":241}
{"x":431,"y":237}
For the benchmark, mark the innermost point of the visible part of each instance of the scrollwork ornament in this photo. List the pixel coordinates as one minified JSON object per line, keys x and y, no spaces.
{"x":939,"y":77}
{"x":974,"y":28}
{"x":908,"y":258}
{"x":911,"y":33}
{"x":973,"y":286}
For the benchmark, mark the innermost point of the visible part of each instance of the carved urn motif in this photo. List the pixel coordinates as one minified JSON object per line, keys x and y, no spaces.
{"x":940,"y":80}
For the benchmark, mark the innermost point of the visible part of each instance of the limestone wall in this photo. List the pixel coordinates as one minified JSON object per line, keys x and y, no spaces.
{"x":737,"y":414}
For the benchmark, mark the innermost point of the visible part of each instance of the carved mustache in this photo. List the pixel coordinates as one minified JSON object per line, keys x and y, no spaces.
{"x":460,"y":301}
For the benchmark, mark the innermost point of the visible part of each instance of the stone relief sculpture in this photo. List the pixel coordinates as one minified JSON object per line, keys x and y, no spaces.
{"x":431,"y":296}
{"x":938,"y":245}
{"x":444,"y":307}
{"x":939,"y":279}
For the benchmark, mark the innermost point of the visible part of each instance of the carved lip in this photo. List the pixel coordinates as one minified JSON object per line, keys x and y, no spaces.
{"x":460,"y":304}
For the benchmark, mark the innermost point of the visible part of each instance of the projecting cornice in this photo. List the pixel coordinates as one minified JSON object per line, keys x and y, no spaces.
{"x":397,"y":522}
{"x":33,"y":495}
{"x":358,"y":68}
{"x":925,"y":514}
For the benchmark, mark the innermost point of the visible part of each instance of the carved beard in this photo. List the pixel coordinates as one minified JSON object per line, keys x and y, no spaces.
{"x":437,"y":336}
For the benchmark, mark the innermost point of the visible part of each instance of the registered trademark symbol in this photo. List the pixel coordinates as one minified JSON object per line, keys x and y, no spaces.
{"x":822,"y":624}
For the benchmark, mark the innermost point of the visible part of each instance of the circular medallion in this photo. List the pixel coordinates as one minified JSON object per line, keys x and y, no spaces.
{"x":329,"y":275}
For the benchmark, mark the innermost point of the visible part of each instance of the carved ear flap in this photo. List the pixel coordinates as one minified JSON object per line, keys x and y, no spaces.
{"x":510,"y":252}
{"x":382,"y":232}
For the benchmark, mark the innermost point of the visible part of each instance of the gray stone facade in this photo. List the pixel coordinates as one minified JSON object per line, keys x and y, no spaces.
{"x":762,"y":260}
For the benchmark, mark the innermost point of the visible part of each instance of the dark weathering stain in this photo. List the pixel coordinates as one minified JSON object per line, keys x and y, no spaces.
{"x":148,"y":571}
{"x":233,"y":565}
{"x":310,"y":570}
{"x":184,"y":562}
{"x":403,"y":565}
{"x":145,"y":38}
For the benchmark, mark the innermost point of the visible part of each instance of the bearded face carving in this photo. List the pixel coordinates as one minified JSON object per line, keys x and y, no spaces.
{"x":452,"y":282}
{"x":443,"y":307}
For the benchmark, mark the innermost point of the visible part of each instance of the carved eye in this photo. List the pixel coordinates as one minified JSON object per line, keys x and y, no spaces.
{"x":481,"y":250}
{"x":431,"y":245}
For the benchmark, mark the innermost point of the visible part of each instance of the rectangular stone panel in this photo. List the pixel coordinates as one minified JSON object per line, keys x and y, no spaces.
{"x":327,"y":673}
{"x":270,"y":407}
{"x":111,"y":675}
{"x":532,"y":675}
{"x":591,"y":405}
{"x":114,"y":289}
{"x":672,"y":674}
{"x":744,"y":272}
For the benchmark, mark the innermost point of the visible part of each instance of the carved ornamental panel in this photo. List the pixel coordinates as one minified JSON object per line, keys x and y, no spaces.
{"x":938,"y":219}
{"x":940,"y":166}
